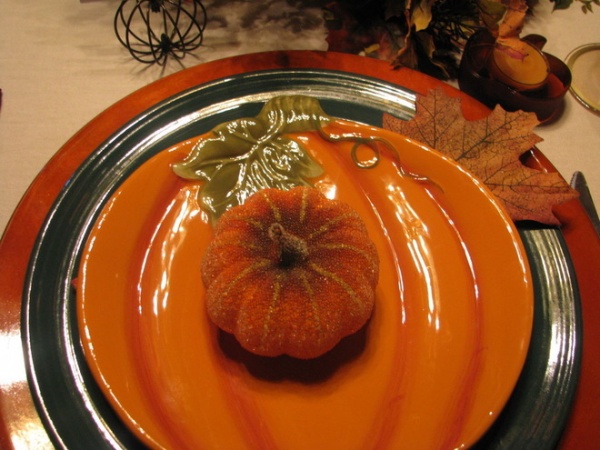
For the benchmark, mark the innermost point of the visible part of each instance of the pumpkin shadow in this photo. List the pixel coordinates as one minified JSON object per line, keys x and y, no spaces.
{"x":305,"y":371}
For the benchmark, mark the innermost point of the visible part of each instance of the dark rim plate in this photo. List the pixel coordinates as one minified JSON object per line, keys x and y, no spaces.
{"x":70,"y":403}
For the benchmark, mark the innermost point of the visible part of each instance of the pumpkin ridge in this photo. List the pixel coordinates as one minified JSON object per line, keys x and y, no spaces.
{"x":274,"y":300}
{"x":254,"y":267}
{"x":332,"y":276}
{"x":315,"y":306}
{"x":243,"y":244}
{"x":303,"y":205}
{"x":255,"y":223}
{"x":274,"y":208}
{"x":330,"y":223}
{"x":342,"y":246}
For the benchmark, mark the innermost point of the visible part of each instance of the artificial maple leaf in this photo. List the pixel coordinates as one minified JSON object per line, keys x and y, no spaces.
{"x":490,"y":149}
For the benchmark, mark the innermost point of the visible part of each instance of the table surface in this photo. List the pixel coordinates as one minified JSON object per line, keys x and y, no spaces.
{"x":61,"y":65}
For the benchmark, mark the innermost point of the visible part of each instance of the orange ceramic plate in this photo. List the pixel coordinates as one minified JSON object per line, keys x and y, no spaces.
{"x":432,"y":369}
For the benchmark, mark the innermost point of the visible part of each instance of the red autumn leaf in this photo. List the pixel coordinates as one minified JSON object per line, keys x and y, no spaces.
{"x":491,"y":149}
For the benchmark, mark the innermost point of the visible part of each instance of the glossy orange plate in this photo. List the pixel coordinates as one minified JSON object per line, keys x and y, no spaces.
{"x":432,"y":369}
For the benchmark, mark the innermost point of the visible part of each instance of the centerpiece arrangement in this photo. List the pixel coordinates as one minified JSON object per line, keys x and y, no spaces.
{"x":426,"y":35}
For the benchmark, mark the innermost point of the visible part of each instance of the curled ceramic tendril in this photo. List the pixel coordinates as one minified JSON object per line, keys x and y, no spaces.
{"x":372,"y":142}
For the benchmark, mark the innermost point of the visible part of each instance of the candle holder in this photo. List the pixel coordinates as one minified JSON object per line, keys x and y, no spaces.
{"x":153,"y":30}
{"x":476,"y":79}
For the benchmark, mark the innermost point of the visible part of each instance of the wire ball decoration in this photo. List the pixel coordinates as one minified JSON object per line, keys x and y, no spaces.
{"x":153,"y":30}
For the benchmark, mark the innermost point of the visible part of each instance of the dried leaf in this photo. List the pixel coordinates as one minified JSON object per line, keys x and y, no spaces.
{"x":510,"y":28}
{"x":491,"y":149}
{"x":417,"y":34}
{"x":421,"y":15}
{"x":514,"y":19}
{"x":491,"y":13}
{"x":346,"y":33}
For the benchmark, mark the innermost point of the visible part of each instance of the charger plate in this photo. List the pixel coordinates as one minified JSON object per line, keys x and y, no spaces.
{"x":59,"y":373}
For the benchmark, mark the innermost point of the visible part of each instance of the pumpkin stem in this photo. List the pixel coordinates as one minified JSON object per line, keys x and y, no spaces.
{"x":292,"y":249}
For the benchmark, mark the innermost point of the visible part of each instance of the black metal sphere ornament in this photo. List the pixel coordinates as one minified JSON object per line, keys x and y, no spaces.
{"x":153,"y":30}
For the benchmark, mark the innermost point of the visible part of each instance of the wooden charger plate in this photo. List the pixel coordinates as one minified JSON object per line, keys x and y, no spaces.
{"x":20,"y":236}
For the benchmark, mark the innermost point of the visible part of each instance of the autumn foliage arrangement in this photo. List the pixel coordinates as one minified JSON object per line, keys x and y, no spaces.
{"x":492,"y":149}
{"x":426,"y":35}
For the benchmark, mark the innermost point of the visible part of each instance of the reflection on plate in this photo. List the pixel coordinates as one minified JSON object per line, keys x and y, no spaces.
{"x":72,"y":406}
{"x":584,"y":63}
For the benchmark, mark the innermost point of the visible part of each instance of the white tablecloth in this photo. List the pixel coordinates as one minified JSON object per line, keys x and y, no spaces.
{"x":61,"y":65}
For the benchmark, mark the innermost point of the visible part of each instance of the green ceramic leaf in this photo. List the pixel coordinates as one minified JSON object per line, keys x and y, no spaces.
{"x":246,"y":155}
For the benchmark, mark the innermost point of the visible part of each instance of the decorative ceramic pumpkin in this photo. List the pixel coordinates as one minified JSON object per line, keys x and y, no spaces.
{"x":290,"y":272}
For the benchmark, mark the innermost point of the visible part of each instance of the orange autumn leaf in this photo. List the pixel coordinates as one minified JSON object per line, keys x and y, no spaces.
{"x":512,"y":23}
{"x":510,"y":28}
{"x":491,"y":149}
